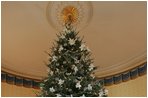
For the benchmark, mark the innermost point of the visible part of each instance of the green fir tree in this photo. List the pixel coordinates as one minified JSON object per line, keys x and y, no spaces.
{"x":71,"y":69}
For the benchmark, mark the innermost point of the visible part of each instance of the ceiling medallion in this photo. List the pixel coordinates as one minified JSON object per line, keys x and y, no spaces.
{"x":80,"y":13}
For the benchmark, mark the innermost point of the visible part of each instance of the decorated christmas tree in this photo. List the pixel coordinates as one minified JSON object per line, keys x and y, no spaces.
{"x":71,"y":68}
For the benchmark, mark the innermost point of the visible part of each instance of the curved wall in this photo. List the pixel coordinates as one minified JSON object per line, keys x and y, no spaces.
{"x":136,"y":87}
{"x":133,"y":88}
{"x":9,"y":90}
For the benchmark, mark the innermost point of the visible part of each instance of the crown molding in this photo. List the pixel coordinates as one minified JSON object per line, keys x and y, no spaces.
{"x":126,"y":65}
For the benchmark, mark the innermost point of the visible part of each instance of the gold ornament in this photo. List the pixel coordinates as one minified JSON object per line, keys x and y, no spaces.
{"x":69,"y":14}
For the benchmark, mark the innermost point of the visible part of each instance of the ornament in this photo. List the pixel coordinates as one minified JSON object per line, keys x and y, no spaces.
{"x":41,"y":88}
{"x":91,"y":67}
{"x":68,"y":74}
{"x":79,"y":77}
{"x":76,"y":61}
{"x":45,"y":80}
{"x":106,"y":92}
{"x":57,"y":70}
{"x":71,"y":41}
{"x":74,"y":68}
{"x":52,"y":89}
{"x":51,"y":73}
{"x":78,"y":85}
{"x":60,"y":49}
{"x":88,"y":49}
{"x":54,"y":58}
{"x":92,"y":76}
{"x":101,"y":93}
{"x":61,"y":82}
{"x":66,"y":30}
{"x":82,"y":47}
{"x":82,"y":95}
{"x":58,"y":95}
{"x":59,"y":13}
{"x":89,"y":87}
{"x":99,"y":84}
{"x":62,"y":37}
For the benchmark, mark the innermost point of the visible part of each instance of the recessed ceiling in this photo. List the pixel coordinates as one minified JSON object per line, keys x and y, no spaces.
{"x":116,"y":36}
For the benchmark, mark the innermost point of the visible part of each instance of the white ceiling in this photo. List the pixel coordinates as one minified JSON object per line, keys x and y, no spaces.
{"x":116,"y":36}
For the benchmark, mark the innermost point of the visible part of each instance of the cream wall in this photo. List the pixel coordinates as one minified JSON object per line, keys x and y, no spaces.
{"x":136,"y":87}
{"x":133,"y":88}
{"x":8,"y":90}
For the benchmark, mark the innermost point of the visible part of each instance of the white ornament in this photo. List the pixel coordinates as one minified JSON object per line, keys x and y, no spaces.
{"x":89,"y":87}
{"x":83,"y":95}
{"x":57,"y":70}
{"x":60,"y":49}
{"x":106,"y":92}
{"x":62,"y":37}
{"x":91,"y":67}
{"x":45,"y":80}
{"x":99,"y":84}
{"x":79,"y":77}
{"x":68,"y":74}
{"x":68,"y":31}
{"x":101,"y":94}
{"x":88,"y":49}
{"x":92,"y":76}
{"x":51,"y":73}
{"x":41,"y":88}
{"x":54,"y":58}
{"x":76,"y":61}
{"x":58,"y":95}
{"x":78,"y":85}
{"x":65,"y":30}
{"x":74,"y":68}
{"x":71,"y":95}
{"x":52,"y":89}
{"x":71,"y":41}
{"x":61,"y":82}
{"x":82,"y":47}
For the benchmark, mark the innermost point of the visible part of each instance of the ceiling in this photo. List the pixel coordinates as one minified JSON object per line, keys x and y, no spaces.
{"x":116,"y":36}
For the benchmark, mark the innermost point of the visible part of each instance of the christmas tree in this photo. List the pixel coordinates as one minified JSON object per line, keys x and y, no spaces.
{"x":71,"y":69}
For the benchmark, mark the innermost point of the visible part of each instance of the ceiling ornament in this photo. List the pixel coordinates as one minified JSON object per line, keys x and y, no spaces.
{"x":58,"y":13}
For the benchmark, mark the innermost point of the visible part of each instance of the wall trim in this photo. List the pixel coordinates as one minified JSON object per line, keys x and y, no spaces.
{"x":109,"y":80}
